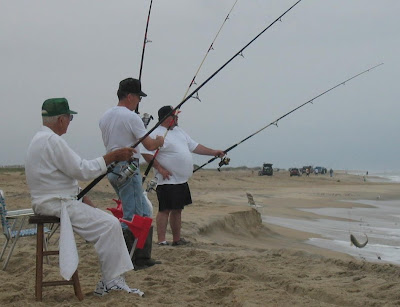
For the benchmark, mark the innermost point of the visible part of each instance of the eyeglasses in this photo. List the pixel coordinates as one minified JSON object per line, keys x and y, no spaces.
{"x":71,"y":117}
{"x":140,"y":97}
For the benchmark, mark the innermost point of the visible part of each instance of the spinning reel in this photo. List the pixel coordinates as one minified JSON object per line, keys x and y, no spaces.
{"x":127,"y":172}
{"x":152,"y":185}
{"x":224,"y":161}
{"x":146,"y":119}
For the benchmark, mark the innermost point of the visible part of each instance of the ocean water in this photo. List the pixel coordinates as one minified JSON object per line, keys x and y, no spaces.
{"x":380,"y":223}
{"x":388,"y":176}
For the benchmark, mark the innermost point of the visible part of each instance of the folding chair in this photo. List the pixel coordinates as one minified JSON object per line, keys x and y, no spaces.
{"x":16,"y":230}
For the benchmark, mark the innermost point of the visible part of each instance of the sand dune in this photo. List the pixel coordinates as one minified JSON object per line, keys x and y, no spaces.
{"x":234,"y":259}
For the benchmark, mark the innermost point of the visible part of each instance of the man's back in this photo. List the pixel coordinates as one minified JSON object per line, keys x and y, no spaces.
{"x":120,"y":128}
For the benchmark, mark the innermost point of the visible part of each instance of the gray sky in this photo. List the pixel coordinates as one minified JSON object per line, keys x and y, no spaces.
{"x":82,"y":49}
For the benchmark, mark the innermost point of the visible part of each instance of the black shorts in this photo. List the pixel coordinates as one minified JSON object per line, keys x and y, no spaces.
{"x":173,"y":196}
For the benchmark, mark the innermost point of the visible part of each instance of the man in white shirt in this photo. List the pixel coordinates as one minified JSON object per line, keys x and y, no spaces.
{"x":52,"y":171}
{"x":174,"y":167}
{"x":121,"y":127}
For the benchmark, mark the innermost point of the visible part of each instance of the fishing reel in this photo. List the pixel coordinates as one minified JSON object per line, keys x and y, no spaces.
{"x":127,"y":172}
{"x":152,"y":185}
{"x":146,"y":119}
{"x":224,"y":161}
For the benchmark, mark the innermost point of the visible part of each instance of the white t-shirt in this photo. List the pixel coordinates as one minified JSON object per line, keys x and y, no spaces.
{"x":175,"y":155}
{"x":120,"y":128}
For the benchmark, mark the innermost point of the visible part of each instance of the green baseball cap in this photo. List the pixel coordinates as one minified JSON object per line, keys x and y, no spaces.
{"x":56,"y":106}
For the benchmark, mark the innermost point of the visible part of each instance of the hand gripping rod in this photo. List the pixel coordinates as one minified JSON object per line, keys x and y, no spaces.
{"x":112,"y":165}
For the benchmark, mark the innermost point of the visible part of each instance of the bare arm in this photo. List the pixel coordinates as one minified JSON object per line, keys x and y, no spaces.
{"x":122,"y":154}
{"x":165,"y":173}
{"x":153,"y":144}
{"x":203,"y":150}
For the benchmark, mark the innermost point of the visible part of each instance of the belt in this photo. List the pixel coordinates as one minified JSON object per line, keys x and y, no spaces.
{"x":136,"y":160}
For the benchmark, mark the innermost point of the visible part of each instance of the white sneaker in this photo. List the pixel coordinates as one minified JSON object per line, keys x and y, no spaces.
{"x":100,"y":289}
{"x":137,"y":291}
{"x":119,"y":283}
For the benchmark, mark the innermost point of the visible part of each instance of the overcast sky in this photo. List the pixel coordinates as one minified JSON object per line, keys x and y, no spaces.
{"x":82,"y":49}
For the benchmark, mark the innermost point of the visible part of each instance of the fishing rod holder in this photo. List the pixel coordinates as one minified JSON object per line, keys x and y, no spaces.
{"x":224,"y":161}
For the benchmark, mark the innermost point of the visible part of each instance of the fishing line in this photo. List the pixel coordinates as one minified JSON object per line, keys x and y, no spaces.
{"x":225,"y":160}
{"x":112,"y":165}
{"x":187,"y":91}
{"x":145,"y":41}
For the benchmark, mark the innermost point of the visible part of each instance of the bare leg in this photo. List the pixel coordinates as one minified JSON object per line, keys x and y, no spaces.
{"x":175,"y":223}
{"x":162,"y":222}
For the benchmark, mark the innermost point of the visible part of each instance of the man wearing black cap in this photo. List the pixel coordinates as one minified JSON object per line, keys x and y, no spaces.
{"x":52,"y":172}
{"x":174,"y":167}
{"x":121,"y":127}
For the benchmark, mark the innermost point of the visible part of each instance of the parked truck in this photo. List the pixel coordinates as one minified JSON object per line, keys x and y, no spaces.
{"x":266,"y":170}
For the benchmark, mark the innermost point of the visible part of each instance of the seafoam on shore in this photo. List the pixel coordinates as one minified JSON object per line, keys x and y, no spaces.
{"x":379,"y":222}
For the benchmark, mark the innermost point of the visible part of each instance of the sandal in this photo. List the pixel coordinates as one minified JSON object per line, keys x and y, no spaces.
{"x":163,"y":243}
{"x":181,"y":241}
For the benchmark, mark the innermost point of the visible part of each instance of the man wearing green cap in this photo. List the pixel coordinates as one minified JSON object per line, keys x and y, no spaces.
{"x":52,"y":171}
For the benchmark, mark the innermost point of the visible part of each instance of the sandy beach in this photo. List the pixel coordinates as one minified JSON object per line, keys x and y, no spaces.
{"x":234,"y":258}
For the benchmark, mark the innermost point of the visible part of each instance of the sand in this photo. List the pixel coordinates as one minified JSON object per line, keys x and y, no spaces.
{"x":234,"y":259}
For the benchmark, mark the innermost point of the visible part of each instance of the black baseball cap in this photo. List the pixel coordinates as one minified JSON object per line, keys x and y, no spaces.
{"x":163,"y":111}
{"x":131,"y":86}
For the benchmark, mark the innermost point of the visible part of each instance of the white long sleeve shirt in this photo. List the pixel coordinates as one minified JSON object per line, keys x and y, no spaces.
{"x":52,"y":167}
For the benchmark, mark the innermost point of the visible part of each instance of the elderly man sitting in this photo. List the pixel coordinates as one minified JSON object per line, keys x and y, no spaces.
{"x":52,"y":172}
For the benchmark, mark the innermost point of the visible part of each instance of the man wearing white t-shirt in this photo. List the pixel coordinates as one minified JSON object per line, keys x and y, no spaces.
{"x":121,"y":127}
{"x":174,"y":167}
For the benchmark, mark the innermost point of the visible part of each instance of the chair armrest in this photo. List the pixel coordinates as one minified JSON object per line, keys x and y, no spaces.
{"x":19,"y":213}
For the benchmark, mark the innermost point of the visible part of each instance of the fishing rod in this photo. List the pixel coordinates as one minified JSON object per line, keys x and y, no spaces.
{"x":145,"y":41}
{"x":208,"y":51}
{"x":225,"y":160}
{"x":187,"y":91}
{"x":112,"y":165}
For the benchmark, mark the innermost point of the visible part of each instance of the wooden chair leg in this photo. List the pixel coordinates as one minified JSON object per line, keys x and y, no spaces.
{"x":77,"y":286}
{"x":39,"y":262}
{"x":40,"y":253}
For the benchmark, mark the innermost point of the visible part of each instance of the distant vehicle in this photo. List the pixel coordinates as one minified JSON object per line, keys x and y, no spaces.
{"x":304,"y":168}
{"x":266,"y":170}
{"x":321,"y":170}
{"x":294,"y":172}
